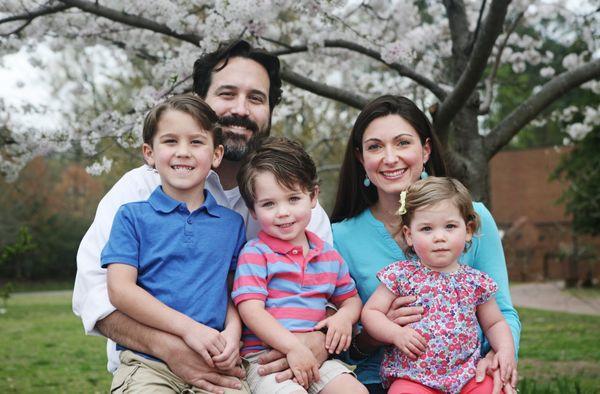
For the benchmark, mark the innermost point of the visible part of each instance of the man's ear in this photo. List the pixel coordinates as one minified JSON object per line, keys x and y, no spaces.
{"x":148,"y":153}
{"x":407,"y":235}
{"x":217,"y":156}
{"x":314,"y":196}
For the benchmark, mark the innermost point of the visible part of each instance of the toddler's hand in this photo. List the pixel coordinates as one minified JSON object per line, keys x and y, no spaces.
{"x":230,"y":357}
{"x":304,"y":365}
{"x":206,"y":341}
{"x":505,"y":360}
{"x":339,"y":333}
{"x":410,"y":342}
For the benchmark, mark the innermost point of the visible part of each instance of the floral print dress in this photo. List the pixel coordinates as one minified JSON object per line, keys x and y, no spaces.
{"x":449,"y":323}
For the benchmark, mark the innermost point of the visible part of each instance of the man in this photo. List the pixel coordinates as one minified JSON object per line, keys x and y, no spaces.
{"x":242,"y":85}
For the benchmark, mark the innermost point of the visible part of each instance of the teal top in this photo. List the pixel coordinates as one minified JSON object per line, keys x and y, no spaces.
{"x":367,"y":246}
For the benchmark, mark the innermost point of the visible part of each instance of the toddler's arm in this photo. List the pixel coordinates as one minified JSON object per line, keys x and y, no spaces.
{"x":140,"y":305}
{"x":498,"y":332}
{"x":339,"y":325}
{"x":303,"y":364}
{"x":379,"y":327}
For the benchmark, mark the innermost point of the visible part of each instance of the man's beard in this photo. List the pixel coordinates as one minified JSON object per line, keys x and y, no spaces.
{"x":236,"y":145}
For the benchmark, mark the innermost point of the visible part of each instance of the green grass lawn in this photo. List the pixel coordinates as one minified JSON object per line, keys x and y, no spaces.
{"x":43,"y":349}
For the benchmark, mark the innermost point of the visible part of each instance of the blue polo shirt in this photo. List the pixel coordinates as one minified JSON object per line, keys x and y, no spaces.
{"x":182,"y":257}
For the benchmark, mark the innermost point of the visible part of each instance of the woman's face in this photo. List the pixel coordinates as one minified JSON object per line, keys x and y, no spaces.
{"x":392,"y":154}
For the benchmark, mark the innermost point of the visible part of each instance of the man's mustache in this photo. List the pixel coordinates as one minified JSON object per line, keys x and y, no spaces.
{"x":239,"y":121}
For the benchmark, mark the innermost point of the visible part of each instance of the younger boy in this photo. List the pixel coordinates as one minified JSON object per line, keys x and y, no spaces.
{"x":286,"y":276}
{"x":168,"y":258}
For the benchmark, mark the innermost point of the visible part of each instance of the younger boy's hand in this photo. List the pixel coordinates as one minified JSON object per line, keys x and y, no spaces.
{"x":505,"y":361}
{"x":304,"y":365}
{"x":230,"y":357}
{"x":206,"y":341}
{"x":410,"y":342}
{"x":339,"y":332}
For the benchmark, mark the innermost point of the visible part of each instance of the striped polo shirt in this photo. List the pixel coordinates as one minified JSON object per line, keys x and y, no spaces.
{"x":294,"y":287}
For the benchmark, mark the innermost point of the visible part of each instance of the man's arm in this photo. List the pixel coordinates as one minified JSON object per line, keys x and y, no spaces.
{"x":182,"y":360}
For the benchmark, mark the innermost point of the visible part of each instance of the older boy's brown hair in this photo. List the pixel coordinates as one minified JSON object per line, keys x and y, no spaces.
{"x":190,"y":104}
{"x":289,"y":163}
{"x":432,"y":190}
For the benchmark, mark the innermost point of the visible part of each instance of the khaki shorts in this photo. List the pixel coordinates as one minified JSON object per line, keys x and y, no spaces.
{"x":137,"y":374}
{"x":268,"y":385}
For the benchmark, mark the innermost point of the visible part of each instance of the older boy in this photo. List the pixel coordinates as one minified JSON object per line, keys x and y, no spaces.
{"x":168,"y":258}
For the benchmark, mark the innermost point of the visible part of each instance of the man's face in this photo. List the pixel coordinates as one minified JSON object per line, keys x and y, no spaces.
{"x":239,"y":94}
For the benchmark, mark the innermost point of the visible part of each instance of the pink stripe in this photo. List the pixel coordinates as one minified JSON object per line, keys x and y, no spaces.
{"x":342,"y":297}
{"x":252,"y":258}
{"x":344,"y":281}
{"x":297,"y":313}
{"x":246,"y":297}
{"x":330,"y":255}
{"x":275,"y":258}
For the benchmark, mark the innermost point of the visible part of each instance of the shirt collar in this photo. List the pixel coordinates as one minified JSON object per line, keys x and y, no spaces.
{"x":161,"y":202}
{"x":277,"y":245}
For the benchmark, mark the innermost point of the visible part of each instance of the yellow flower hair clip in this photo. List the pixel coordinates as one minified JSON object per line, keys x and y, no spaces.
{"x":402,"y":209}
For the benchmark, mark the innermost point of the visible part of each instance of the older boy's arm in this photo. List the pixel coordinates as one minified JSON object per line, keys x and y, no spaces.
{"x":232,"y":334}
{"x":180,"y":358}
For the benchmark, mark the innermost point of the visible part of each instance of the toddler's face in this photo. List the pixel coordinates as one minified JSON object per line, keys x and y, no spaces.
{"x":282,"y":213}
{"x":438,"y":234}
{"x":182,"y":152}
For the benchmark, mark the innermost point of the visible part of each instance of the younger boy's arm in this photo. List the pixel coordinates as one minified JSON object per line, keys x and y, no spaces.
{"x":303,"y":364}
{"x":339,"y":325}
{"x":136,"y":302}
{"x":378,"y":326}
{"x":497,"y":331}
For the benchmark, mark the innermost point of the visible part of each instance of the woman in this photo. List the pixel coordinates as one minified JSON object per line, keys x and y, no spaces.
{"x":391,"y":146}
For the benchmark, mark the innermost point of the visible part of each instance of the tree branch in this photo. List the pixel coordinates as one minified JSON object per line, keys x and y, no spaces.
{"x":321,"y":89}
{"x":30,"y":15}
{"x":400,"y":68}
{"x":530,"y":108}
{"x":484,"y":108}
{"x":131,"y":20}
{"x":475,"y":66}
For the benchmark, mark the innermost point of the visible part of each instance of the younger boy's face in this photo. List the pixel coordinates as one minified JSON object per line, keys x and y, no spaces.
{"x":282,"y":213}
{"x":183,"y":153}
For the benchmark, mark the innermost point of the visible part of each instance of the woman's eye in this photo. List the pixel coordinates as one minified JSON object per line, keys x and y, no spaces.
{"x":372,"y":147}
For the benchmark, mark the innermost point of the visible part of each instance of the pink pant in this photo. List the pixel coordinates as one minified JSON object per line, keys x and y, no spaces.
{"x":405,"y":386}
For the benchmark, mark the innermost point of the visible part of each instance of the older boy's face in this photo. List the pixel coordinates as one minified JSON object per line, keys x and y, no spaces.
{"x":239,"y":94}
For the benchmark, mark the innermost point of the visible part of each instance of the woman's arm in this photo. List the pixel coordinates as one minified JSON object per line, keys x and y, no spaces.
{"x":489,"y":258}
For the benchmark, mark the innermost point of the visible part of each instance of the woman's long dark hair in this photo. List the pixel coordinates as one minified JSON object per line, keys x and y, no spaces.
{"x":352,"y":196}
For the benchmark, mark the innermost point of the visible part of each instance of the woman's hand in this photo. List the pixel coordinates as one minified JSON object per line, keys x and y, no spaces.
{"x":401,"y":314}
{"x":486,"y":366}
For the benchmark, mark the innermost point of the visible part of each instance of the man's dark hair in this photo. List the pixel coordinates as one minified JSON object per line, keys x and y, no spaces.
{"x":207,"y":64}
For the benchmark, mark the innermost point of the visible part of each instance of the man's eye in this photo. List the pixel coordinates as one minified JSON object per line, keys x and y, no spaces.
{"x":257,"y":99}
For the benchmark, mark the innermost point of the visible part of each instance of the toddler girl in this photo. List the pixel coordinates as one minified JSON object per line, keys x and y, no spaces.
{"x":439,"y":353}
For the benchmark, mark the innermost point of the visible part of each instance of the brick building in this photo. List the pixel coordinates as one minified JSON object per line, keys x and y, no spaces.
{"x":538,"y":240}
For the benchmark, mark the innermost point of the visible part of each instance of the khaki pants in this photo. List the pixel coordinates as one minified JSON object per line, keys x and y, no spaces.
{"x":329,"y":370}
{"x":137,"y":374}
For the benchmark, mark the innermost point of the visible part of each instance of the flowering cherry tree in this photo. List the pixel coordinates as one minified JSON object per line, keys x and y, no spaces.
{"x":335,"y":55}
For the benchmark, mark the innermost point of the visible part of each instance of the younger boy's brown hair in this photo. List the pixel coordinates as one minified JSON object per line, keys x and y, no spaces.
{"x":289,"y":163}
